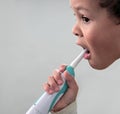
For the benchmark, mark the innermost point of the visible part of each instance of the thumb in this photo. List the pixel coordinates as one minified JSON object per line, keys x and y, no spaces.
{"x":70,"y":81}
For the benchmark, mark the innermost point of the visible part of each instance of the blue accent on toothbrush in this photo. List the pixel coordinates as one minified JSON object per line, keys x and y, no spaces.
{"x":70,"y":70}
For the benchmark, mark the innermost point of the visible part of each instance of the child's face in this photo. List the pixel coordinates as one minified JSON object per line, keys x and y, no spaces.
{"x":97,"y":32}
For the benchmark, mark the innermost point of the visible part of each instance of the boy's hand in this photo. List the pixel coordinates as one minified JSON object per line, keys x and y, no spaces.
{"x":53,"y":84}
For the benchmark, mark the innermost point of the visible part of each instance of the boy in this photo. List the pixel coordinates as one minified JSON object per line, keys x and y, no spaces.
{"x":97,"y":29}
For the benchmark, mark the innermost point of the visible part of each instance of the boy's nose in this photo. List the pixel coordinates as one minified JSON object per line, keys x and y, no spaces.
{"x":76,"y":30}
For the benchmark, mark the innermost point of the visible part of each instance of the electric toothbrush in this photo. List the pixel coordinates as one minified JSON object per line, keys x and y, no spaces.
{"x":47,"y":101}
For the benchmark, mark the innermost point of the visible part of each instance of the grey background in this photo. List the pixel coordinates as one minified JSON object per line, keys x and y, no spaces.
{"x":35,"y":38}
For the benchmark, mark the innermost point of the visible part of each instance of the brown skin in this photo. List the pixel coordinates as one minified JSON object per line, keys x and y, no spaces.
{"x":97,"y":31}
{"x":100,"y":35}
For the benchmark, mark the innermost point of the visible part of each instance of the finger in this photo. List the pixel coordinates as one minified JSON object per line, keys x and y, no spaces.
{"x":57,"y":77}
{"x":70,"y":80}
{"x":53,"y":84}
{"x":47,"y":88}
{"x":62,"y":67}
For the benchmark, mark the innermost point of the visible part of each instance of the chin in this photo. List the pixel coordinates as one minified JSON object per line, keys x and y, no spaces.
{"x":100,"y":66}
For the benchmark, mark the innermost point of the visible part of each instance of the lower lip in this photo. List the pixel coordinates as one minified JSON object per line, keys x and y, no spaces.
{"x":87,"y":56}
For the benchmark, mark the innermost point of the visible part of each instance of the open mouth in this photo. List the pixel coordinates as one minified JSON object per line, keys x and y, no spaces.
{"x":88,"y":51}
{"x":87,"y":54}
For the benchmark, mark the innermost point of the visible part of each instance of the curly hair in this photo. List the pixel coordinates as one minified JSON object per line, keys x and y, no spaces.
{"x":112,"y":6}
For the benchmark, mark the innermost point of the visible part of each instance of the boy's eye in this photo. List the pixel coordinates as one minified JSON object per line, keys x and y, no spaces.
{"x":85,"y":19}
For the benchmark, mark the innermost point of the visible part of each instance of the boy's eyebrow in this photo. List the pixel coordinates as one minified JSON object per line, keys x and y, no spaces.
{"x":82,"y":8}
{"x":78,"y":8}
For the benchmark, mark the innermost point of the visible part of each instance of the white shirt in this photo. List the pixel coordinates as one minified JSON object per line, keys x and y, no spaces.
{"x":70,"y":109}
